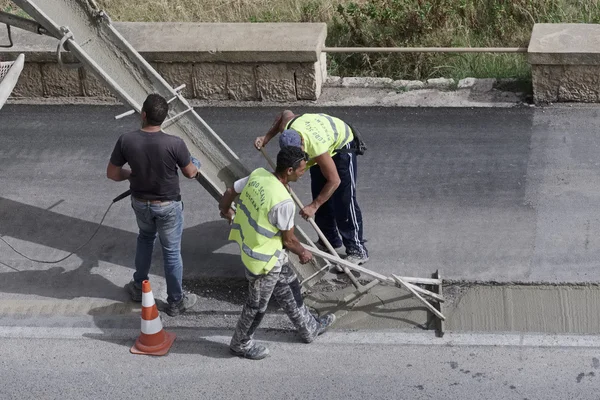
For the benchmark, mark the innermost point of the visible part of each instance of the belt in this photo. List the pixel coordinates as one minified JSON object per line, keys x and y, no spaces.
{"x":153,"y":201}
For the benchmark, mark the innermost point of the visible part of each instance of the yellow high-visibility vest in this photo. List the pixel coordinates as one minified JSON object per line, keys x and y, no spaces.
{"x":321,"y":133}
{"x":260,"y":241}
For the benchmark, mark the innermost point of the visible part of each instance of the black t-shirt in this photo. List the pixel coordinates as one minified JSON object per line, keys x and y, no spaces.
{"x":153,"y":158}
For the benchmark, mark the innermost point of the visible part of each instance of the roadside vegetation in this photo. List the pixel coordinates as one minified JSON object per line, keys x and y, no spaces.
{"x":389,"y":23}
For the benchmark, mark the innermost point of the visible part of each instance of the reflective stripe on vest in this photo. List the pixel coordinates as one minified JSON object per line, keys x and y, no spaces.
{"x":254,"y":223}
{"x":251,"y":253}
{"x":335,"y":131}
{"x":260,"y":242}
{"x":321,"y":133}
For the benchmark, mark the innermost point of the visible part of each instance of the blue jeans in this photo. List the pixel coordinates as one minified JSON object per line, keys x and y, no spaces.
{"x":166,"y":219}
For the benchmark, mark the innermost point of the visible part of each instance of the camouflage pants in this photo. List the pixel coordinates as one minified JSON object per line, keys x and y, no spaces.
{"x":282,"y":283}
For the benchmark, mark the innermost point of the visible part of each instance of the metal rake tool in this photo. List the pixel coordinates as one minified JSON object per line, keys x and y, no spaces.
{"x":408,"y":283}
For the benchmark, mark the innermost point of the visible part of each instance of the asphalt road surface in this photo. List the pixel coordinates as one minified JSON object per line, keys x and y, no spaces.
{"x":326,"y":369}
{"x":482,"y":194}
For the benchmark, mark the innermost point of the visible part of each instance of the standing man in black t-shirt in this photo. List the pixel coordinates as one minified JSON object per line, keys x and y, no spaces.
{"x":153,"y":157}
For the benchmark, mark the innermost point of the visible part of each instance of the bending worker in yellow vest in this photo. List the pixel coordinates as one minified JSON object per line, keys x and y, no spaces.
{"x":263,"y":226}
{"x":332,"y":146}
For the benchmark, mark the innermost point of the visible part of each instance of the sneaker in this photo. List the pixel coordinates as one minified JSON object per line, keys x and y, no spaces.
{"x":324,"y":248}
{"x":357,"y":259}
{"x":256,"y":352}
{"x":187,"y":302}
{"x":135,"y":291}
{"x":342,"y":275}
{"x":324,"y":322}
{"x":335,"y":269}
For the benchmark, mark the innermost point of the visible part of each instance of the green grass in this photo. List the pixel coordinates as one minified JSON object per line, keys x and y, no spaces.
{"x":9,"y":7}
{"x":376,"y":23}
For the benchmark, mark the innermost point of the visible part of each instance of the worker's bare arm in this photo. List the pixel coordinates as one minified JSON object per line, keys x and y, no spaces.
{"x":329,"y":171}
{"x":225,"y":209}
{"x":278,"y":126}
{"x":116,"y":173}
{"x":291,"y":242}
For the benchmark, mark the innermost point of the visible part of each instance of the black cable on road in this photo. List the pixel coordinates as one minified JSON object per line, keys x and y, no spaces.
{"x":116,"y":199}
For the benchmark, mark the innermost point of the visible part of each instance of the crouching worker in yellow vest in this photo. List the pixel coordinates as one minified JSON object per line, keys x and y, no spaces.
{"x":264,"y":228}
{"x":332,"y":146}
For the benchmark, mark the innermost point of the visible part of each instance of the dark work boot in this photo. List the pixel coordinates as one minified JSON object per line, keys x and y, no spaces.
{"x":256,"y":352}
{"x":324,"y":322}
{"x":135,"y":291}
{"x":186,"y":302}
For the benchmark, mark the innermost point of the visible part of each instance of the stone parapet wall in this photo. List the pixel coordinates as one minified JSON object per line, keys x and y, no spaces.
{"x":281,"y":62}
{"x":566,"y":83}
{"x":565,"y":63}
{"x":277,"y":69}
{"x":208,"y":81}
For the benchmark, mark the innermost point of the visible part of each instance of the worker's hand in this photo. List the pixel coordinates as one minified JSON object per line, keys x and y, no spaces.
{"x":229,"y":215}
{"x":305,"y":257}
{"x":259,"y":142}
{"x":196,"y":162}
{"x":309,"y":211}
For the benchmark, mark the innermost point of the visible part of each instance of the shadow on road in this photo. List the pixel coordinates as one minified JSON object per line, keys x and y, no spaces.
{"x":119,"y":319}
{"x":57,"y":231}
{"x":91,"y":278}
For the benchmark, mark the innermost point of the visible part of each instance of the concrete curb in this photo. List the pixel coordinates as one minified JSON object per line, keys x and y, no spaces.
{"x":333,"y":337}
{"x":481,"y":85}
{"x":359,"y":94}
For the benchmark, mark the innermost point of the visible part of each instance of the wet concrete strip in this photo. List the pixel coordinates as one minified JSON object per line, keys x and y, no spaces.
{"x":525,"y":308}
{"x":543,"y":308}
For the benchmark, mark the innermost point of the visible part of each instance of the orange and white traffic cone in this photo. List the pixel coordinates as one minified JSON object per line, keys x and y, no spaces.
{"x":153,"y":340}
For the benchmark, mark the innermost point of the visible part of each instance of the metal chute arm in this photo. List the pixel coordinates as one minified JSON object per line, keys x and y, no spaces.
{"x":103,"y":50}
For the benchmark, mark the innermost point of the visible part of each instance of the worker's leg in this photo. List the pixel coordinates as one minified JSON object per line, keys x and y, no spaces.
{"x":145,"y":242}
{"x":348,"y":216}
{"x":260,"y":288}
{"x":325,"y":216}
{"x":287,"y":293}
{"x":169,"y":221}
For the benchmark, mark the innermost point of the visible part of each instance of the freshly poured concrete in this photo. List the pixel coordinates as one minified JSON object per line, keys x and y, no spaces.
{"x":556,"y":309}
{"x":532,"y":308}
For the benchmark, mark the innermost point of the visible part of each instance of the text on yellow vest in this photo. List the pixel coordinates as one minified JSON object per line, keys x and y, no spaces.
{"x":321,"y":134}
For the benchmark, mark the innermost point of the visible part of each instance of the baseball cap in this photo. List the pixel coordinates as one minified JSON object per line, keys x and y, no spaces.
{"x":290,"y":137}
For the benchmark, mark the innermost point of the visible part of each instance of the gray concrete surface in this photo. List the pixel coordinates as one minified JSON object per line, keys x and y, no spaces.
{"x":416,"y":97}
{"x":238,"y":61}
{"x":329,"y":368}
{"x":490,"y":195}
{"x":200,"y":42}
{"x":561,"y":44}
{"x":330,"y":97}
{"x":565,"y":63}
